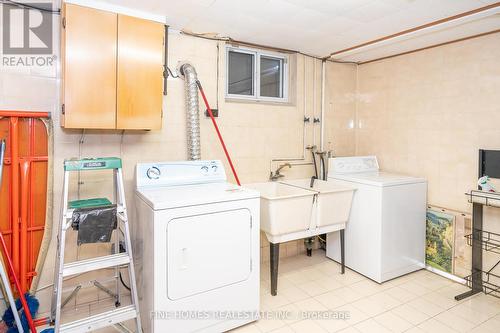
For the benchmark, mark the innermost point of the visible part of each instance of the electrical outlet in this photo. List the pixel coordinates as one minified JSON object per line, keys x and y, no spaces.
{"x":215,"y":112}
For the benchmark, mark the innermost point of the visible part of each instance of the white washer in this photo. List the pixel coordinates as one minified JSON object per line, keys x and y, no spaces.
{"x":197,"y":242}
{"x":385,"y":235}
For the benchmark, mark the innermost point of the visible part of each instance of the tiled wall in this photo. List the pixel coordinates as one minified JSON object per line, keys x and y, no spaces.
{"x":428,"y":113}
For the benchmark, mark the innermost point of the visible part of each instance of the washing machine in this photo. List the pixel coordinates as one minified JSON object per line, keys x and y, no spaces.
{"x":385,"y":234}
{"x":196,"y":238}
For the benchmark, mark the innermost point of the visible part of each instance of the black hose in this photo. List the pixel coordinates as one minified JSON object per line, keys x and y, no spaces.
{"x":123,"y":282}
{"x":322,"y":157}
{"x":314,"y":162}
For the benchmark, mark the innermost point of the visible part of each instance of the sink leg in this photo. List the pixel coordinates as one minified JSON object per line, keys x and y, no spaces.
{"x":275,"y":258}
{"x":342,"y":250}
{"x":308,"y":242}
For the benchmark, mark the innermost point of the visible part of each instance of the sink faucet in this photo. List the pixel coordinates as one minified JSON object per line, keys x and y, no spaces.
{"x":277,"y":175}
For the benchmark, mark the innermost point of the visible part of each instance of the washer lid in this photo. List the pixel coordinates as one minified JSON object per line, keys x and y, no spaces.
{"x":165,"y":197}
{"x":378,"y":178}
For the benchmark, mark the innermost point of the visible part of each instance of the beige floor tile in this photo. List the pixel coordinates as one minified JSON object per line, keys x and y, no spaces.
{"x":433,"y":281}
{"x":313,"y":288}
{"x":307,"y":326}
{"x":415,"y":288}
{"x":423,"y":305}
{"x":410,"y":314}
{"x":313,"y":273}
{"x":355,"y":314}
{"x":333,"y":325}
{"x":293,"y":313}
{"x":298,"y":277}
{"x":349,"y":330}
{"x":485,"y":304}
{"x":310,"y":305}
{"x":269,"y":302}
{"x":401,"y":294}
{"x":371,"y":326}
{"x":415,"y":330}
{"x":421,"y":302}
{"x":376,"y":304}
{"x":330,"y":283}
{"x":367,"y":287}
{"x":470,"y":314}
{"x":328,"y":268}
{"x":331,"y":300}
{"x":393,"y":322}
{"x":489,"y":326}
{"x":283,"y":282}
{"x":440,"y":300}
{"x":267,"y":325}
{"x":349,"y":277}
{"x":249,"y":328}
{"x":453,"y":290}
{"x":434,"y":326}
{"x":284,"y":329}
{"x":459,"y":324}
{"x":348,"y":293}
{"x":294,"y":294}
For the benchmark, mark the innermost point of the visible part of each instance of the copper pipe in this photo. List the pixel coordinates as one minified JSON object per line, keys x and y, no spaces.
{"x":25,"y":169}
{"x":14,"y":150}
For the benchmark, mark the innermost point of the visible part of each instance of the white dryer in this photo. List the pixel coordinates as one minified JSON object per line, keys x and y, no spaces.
{"x":385,"y":235}
{"x":197,"y":242}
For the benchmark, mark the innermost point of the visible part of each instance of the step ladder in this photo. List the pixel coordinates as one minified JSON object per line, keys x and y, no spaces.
{"x":122,"y":255}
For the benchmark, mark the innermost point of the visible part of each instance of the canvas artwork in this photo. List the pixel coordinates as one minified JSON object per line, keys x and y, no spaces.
{"x":440,"y":241}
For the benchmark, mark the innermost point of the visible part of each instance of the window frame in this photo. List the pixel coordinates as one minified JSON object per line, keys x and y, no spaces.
{"x":257,"y":54}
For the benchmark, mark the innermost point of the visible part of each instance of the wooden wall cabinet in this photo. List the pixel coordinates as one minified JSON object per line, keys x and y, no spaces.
{"x":112,"y":70}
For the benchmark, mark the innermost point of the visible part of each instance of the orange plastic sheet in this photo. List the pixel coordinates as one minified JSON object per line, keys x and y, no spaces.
{"x":23,"y":194}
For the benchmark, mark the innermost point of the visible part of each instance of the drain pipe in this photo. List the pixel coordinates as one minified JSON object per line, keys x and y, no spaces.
{"x":192,"y":110}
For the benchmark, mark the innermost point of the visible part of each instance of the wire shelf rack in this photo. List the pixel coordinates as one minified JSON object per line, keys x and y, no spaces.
{"x":488,"y":240}
{"x":485,"y":198}
{"x":490,"y":282}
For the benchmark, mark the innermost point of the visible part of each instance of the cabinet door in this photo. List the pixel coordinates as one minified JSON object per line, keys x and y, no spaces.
{"x":89,"y":68}
{"x":140,"y":73}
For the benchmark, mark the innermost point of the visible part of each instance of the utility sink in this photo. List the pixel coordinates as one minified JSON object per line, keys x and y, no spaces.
{"x":333,"y":200}
{"x":293,"y":210}
{"x":284,"y":209}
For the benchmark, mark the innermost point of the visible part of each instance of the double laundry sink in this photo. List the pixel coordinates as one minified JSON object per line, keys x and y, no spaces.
{"x":293,"y":210}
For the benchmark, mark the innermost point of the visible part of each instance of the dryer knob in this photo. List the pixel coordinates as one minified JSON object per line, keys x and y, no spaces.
{"x":153,"y":173}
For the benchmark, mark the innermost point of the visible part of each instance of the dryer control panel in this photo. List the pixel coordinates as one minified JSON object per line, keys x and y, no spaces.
{"x":179,"y":173}
{"x":342,"y":165}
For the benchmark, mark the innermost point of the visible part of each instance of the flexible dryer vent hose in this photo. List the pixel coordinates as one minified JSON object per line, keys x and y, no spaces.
{"x":192,"y":111}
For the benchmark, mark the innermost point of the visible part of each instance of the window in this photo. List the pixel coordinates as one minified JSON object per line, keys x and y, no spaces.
{"x":255,"y":75}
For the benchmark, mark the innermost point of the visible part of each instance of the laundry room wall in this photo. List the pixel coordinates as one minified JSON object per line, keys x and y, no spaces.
{"x":340,"y":108}
{"x":255,"y":133}
{"x":428,"y":113}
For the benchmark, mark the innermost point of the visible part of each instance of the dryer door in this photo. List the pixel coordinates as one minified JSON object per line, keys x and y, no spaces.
{"x":208,"y":251}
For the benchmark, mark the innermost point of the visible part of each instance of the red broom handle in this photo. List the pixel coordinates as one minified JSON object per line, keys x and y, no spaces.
{"x":18,"y":287}
{"x":209,"y":110}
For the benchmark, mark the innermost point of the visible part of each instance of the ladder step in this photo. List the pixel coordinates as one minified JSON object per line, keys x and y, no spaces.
{"x":93,"y":264}
{"x":101,"y":320}
{"x":89,"y":203}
